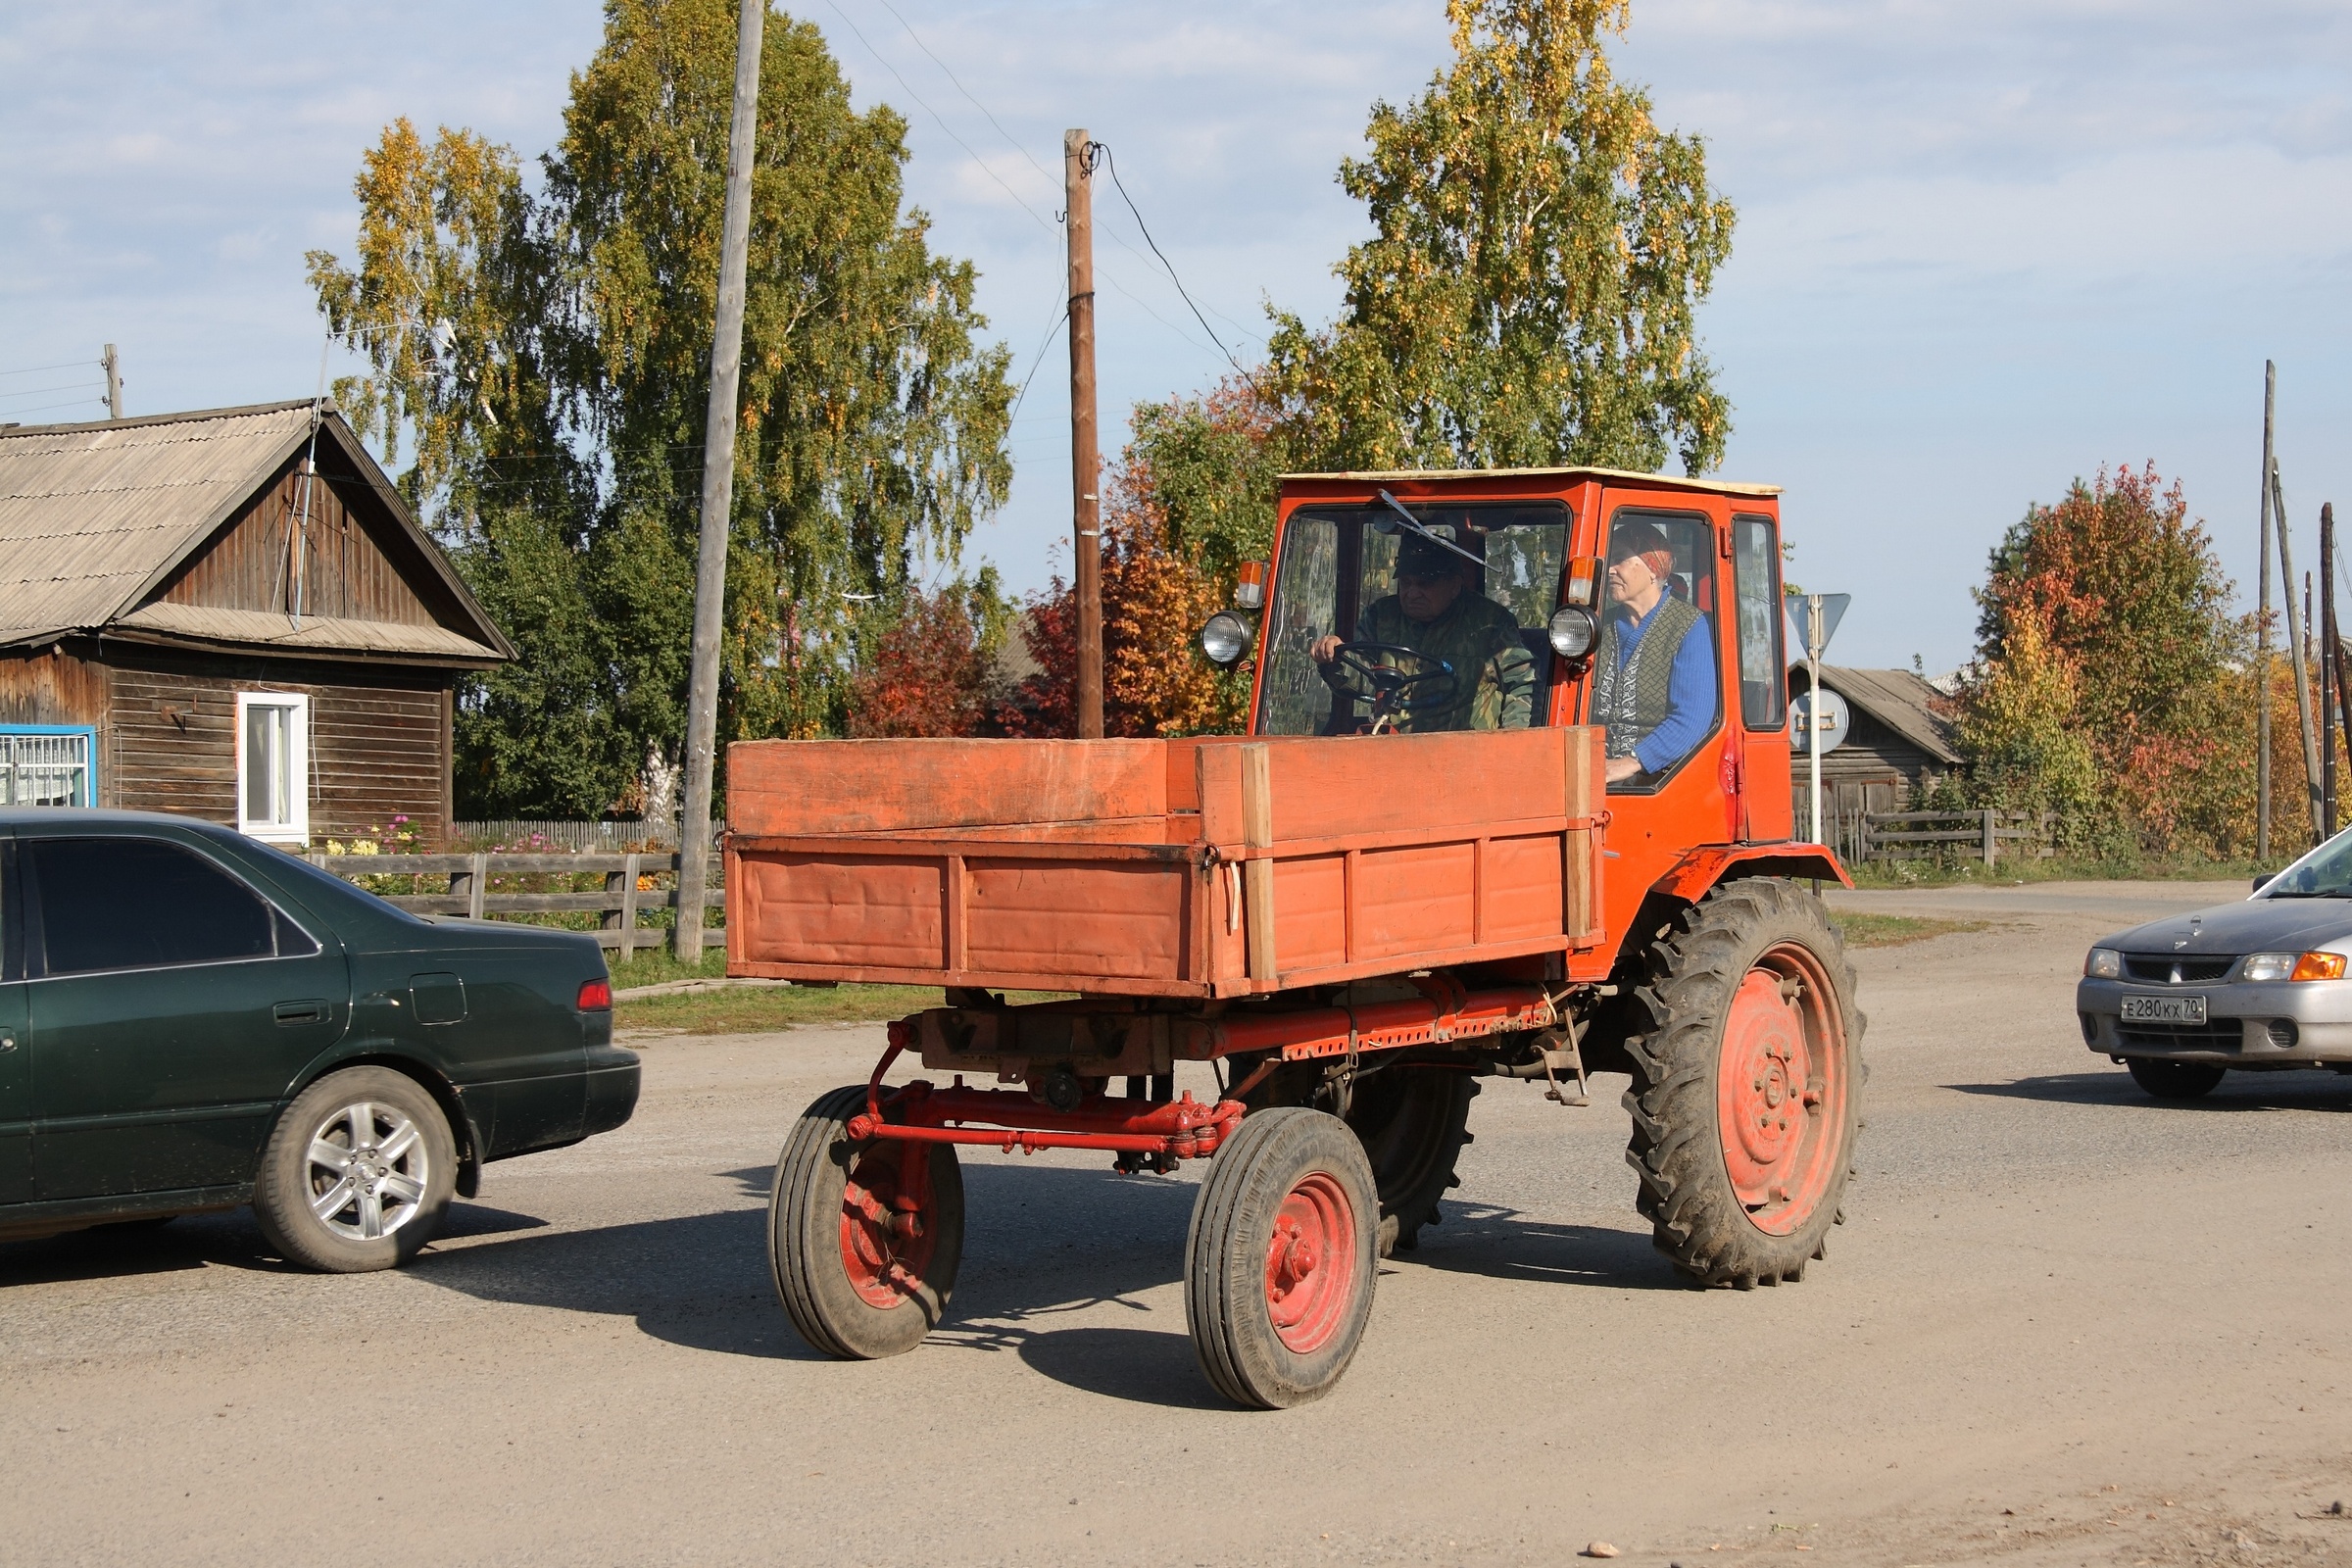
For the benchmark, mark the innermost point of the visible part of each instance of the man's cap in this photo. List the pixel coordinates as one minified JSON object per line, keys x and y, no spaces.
{"x":1420,"y":557}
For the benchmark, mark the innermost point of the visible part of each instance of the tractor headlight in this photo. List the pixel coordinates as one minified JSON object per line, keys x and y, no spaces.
{"x":1225,"y":639}
{"x":2104,"y":964}
{"x":1571,"y":632}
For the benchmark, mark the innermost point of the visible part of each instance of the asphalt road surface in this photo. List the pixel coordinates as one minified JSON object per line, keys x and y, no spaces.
{"x":2065,"y":1325}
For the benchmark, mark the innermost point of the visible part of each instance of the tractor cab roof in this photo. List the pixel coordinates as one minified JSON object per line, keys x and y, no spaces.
{"x":1545,"y":481}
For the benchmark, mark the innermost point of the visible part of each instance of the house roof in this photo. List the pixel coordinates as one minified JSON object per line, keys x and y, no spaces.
{"x":95,"y":517}
{"x":1897,"y":698}
{"x":1713,"y":487}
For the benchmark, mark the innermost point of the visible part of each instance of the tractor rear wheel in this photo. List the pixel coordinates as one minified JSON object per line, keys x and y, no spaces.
{"x":1413,"y":1122}
{"x":1279,"y":1265}
{"x":1748,"y":1087}
{"x":863,"y":1238}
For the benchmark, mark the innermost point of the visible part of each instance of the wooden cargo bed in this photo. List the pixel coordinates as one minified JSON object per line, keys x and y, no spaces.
{"x":1198,"y":867}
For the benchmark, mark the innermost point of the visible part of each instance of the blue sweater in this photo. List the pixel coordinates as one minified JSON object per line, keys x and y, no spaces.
{"x":1689,"y":693}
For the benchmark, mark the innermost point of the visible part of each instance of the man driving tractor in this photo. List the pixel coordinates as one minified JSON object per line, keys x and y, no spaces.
{"x":1436,"y":614}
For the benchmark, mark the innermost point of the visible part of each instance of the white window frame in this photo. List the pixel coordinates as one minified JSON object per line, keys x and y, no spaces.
{"x":297,"y":828}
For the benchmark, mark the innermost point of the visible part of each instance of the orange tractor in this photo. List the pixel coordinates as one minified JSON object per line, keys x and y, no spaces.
{"x":1514,"y":804}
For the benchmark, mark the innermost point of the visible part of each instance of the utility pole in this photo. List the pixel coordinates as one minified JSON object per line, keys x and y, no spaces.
{"x":719,"y":490}
{"x":2335,"y":652}
{"x":2262,"y":634}
{"x":2297,"y":647}
{"x":1086,"y":460}
{"x":2329,"y":692}
{"x":113,"y":383}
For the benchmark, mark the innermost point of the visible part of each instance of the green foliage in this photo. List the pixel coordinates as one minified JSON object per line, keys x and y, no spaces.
{"x":1528,"y":296}
{"x":547,"y":356}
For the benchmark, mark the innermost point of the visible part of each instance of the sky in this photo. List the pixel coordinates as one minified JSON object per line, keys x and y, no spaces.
{"x":1983,"y":248}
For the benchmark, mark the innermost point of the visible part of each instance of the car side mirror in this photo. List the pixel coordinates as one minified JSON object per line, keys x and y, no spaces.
{"x":2260,"y":881}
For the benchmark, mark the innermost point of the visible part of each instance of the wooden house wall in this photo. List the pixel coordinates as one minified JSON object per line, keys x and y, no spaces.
{"x":1873,"y":771}
{"x":50,"y":686}
{"x":380,"y":739}
{"x":344,"y":570}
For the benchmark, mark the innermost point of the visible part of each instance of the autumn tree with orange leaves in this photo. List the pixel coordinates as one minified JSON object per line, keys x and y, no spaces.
{"x":2112,"y":682}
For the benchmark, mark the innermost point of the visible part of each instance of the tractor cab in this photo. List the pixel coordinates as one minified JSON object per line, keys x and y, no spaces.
{"x":1412,"y":603}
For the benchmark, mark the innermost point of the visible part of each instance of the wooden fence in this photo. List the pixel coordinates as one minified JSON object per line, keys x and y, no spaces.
{"x":609,"y":837}
{"x":1985,"y":835}
{"x":633,"y":885}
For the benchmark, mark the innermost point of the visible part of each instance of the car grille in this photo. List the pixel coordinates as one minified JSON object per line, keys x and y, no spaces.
{"x":2164,"y":969}
{"x":2220,"y":1034}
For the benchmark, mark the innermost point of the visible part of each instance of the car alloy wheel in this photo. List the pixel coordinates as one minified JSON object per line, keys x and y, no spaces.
{"x":368,"y":1170}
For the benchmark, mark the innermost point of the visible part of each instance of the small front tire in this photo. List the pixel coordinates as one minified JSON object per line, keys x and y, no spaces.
{"x":2166,"y":1079}
{"x":1279,"y":1263}
{"x":863,"y":1238}
{"x":357,"y":1174}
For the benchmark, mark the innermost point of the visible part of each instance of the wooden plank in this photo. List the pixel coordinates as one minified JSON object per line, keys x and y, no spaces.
{"x":959,"y":914}
{"x":881,"y":786}
{"x":1582,"y":772}
{"x":1257,"y":877}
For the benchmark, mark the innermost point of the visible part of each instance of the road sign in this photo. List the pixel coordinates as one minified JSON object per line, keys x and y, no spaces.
{"x":1832,"y":610}
{"x":1836,"y":720}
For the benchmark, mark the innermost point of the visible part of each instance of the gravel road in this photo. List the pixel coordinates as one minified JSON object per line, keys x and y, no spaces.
{"x":2065,"y":1325}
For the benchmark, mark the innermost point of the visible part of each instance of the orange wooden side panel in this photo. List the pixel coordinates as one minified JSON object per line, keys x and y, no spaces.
{"x":1305,"y":860}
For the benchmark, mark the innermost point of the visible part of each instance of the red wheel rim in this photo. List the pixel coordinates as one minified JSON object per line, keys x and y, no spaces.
{"x":1781,"y":1090}
{"x":888,"y":1224}
{"x":1311,"y":1263}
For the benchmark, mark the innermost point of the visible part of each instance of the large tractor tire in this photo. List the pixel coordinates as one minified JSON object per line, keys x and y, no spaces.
{"x":863,"y":1238}
{"x":1279,"y":1265}
{"x":1412,"y":1122}
{"x":1748,"y":1086}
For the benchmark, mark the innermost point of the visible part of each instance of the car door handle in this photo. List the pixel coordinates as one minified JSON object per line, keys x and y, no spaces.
{"x":299,"y":1013}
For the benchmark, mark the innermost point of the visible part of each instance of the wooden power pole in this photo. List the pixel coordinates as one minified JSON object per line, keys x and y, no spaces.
{"x":2329,"y":692}
{"x":113,"y":383}
{"x":719,"y":490}
{"x":1085,"y":459}
{"x":2299,"y":648}
{"x":2262,"y":634}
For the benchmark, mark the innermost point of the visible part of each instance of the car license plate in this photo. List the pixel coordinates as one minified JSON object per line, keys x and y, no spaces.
{"x":2176,"y":1010}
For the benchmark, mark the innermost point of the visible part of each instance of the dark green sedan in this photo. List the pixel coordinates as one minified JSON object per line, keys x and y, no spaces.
{"x":191,"y":1020}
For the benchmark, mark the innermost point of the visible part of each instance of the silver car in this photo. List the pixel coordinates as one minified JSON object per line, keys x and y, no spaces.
{"x":2256,"y":986}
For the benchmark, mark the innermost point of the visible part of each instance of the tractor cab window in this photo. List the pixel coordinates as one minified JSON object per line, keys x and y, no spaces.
{"x":1655,"y":687}
{"x":1430,"y":620}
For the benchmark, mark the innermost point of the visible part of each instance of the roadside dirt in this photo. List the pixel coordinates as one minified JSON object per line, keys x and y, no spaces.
{"x":2065,"y":1325}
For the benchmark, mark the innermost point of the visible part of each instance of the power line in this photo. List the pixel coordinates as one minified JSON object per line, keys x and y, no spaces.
{"x":1164,"y":262}
{"x":1009,"y":136}
{"x":1061,"y":314}
{"x":935,"y":114}
{"x":62,"y":386}
{"x":46,"y":407}
{"x":35,"y":369}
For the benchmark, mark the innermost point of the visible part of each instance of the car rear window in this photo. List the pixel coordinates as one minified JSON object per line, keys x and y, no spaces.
{"x":141,"y":903}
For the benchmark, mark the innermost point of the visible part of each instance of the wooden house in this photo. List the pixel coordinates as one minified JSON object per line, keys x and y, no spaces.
{"x":228,"y":613}
{"x":1897,"y":740}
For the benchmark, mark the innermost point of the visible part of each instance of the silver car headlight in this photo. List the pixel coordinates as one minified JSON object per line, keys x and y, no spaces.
{"x":2104,"y":964}
{"x":2293,"y":967}
{"x":1571,"y":632}
{"x":1225,"y":638}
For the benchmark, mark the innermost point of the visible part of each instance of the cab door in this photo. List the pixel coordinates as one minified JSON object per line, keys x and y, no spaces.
{"x":170,"y":1009}
{"x":1692,"y":797}
{"x":15,"y":1077}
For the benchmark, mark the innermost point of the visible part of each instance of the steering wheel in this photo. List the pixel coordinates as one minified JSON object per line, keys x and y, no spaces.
{"x":1395,"y":689}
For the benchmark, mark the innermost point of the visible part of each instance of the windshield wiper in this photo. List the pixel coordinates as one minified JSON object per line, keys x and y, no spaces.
{"x":2317,"y":893}
{"x":1416,"y":524}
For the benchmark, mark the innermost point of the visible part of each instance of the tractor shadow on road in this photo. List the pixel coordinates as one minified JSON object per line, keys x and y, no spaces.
{"x":1497,"y":1243}
{"x":2239,"y":1092}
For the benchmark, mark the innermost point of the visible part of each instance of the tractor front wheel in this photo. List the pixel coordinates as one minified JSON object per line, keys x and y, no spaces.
{"x":1279,"y":1263}
{"x":1747,"y":1093}
{"x":863,"y":1238}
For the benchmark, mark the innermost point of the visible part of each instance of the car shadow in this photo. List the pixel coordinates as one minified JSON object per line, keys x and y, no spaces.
{"x":2239,"y":1092}
{"x":217,"y":1238}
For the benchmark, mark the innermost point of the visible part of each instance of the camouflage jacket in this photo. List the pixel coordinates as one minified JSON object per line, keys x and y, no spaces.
{"x":1494,"y":673}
